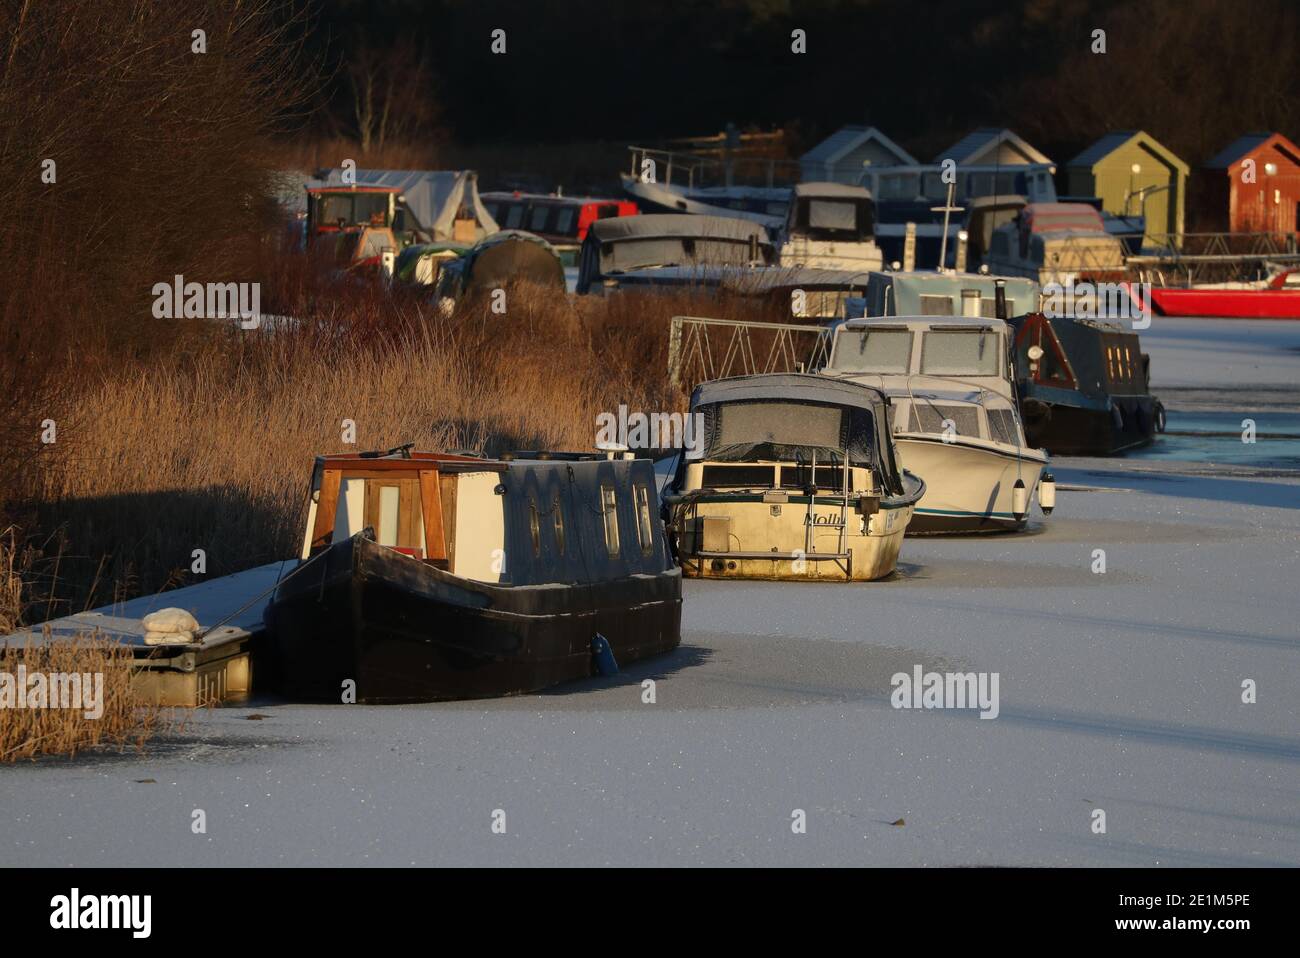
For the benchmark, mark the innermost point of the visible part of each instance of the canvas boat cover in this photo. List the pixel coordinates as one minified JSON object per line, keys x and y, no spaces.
{"x":652,"y":225}
{"x":433,"y":196}
{"x":510,"y":256}
{"x":668,"y":239}
{"x":783,"y":415}
{"x":1062,"y":217}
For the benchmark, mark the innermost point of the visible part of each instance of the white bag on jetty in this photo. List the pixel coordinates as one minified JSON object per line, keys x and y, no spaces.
{"x":169,"y":627}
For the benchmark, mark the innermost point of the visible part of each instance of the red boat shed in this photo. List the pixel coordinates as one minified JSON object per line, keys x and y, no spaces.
{"x":1257,"y":186}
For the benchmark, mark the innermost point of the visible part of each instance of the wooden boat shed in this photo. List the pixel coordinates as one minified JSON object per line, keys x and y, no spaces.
{"x":1134,"y":175}
{"x":1253,"y":186}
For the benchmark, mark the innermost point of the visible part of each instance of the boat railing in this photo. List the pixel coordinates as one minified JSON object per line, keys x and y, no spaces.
{"x":702,"y":349}
{"x":1186,"y":258}
{"x":701,"y":170}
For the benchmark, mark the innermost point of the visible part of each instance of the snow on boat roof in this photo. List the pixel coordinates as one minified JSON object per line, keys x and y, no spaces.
{"x":799,"y":387}
{"x":915,"y":322}
{"x":677,"y":224}
{"x":836,"y":190}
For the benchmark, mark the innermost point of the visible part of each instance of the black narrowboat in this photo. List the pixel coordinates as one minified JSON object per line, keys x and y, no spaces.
{"x":428,"y":576}
{"x":1084,"y":386}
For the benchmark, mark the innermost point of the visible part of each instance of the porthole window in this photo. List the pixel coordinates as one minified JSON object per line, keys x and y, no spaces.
{"x":644,"y":529}
{"x":557,"y":517}
{"x":609,"y":511}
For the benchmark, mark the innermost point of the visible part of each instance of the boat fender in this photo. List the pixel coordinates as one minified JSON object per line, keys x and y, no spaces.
{"x":1019,"y":499}
{"x":603,"y":656}
{"x":1160,"y":417}
{"x":1047,"y":493}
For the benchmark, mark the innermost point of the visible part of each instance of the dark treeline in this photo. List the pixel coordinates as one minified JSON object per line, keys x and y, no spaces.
{"x":1195,"y":73}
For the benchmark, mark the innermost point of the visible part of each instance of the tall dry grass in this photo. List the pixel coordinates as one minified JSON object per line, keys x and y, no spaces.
{"x":53,"y":730}
{"x":213,"y":451}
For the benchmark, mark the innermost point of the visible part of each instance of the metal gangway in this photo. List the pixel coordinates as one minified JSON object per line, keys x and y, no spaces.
{"x":701,"y":349}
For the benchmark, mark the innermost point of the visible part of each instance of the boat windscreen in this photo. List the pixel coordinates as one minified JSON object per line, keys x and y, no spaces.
{"x":786,"y":431}
{"x":946,"y":352}
{"x":886,"y":351}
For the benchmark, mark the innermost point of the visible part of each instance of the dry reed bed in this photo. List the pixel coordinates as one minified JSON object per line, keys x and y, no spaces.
{"x":27,"y":732}
{"x":213,"y":452}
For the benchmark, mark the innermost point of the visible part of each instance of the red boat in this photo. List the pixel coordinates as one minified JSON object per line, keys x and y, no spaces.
{"x":1279,"y":298}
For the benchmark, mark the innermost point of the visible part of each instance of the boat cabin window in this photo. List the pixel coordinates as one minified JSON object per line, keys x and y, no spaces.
{"x":557,"y":520}
{"x":392,"y":509}
{"x":827,"y":215}
{"x":564,"y":222}
{"x":947,"y":352}
{"x":537,"y":219}
{"x":887,"y":351}
{"x":609,"y":510}
{"x":959,"y":420}
{"x":535,"y":527}
{"x":514,"y":216}
{"x":848,"y":220}
{"x":1002,"y":426}
{"x":738,"y":476}
{"x":767,"y":427}
{"x":932,"y":305}
{"x":351,"y":208}
{"x":643,"y":527}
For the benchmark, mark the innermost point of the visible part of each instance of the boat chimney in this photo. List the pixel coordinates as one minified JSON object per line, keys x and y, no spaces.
{"x":971,"y":303}
{"x":1000,"y":298}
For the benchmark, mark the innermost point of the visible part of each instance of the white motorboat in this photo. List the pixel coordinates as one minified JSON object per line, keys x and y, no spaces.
{"x":955,"y":419}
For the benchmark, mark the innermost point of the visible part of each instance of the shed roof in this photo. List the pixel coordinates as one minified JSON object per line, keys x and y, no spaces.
{"x":1111,"y":142}
{"x":969,"y":147}
{"x":847,"y":139}
{"x":1242,"y":146}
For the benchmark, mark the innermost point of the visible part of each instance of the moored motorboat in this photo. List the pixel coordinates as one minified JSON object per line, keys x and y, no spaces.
{"x":955,"y":422}
{"x":426,"y":576}
{"x":1275,"y":298}
{"x":796,"y":479}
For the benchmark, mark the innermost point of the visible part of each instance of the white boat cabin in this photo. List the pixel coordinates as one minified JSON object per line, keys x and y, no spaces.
{"x":830,"y":226}
{"x":943,"y":374}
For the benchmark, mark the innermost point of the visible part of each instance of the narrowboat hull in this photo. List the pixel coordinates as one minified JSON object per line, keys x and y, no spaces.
{"x":1106,"y":427}
{"x":969,"y":487}
{"x":405,"y":631}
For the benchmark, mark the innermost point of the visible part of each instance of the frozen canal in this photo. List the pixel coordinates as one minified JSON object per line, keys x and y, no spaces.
{"x":1120,"y":691}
